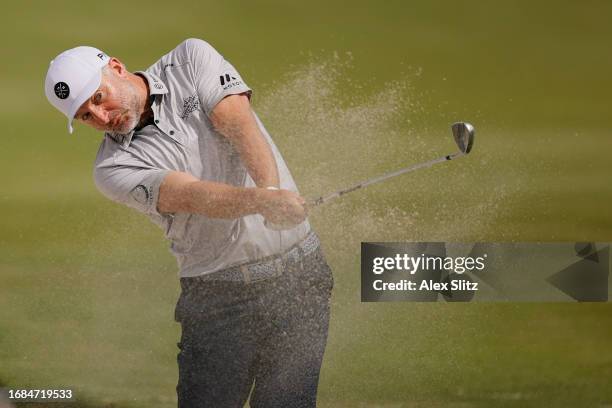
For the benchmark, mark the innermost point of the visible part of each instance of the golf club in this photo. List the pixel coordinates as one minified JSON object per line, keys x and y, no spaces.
{"x":463,"y":133}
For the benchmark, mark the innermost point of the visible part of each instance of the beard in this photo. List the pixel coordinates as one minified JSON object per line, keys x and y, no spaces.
{"x":129,"y":113}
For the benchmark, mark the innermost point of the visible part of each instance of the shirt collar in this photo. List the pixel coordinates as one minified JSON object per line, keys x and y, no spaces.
{"x":156,"y":87}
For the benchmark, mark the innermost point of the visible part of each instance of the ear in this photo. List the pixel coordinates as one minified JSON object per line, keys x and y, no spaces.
{"x":117,"y":66}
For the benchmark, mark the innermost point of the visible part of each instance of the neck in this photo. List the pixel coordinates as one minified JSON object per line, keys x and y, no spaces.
{"x":143,"y":92}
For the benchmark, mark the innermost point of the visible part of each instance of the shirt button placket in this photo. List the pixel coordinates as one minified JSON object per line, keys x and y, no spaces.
{"x":170,"y":131}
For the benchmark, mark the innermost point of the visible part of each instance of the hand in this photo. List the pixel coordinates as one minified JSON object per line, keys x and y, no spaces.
{"x":283,"y":208}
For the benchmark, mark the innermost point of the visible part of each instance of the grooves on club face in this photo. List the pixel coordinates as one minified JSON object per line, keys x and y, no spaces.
{"x":463,"y":133}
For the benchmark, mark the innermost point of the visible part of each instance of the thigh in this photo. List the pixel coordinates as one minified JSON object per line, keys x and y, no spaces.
{"x":217,"y":351}
{"x":291,"y":356}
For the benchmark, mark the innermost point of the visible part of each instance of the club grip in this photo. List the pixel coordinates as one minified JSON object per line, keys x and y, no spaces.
{"x":273,"y":226}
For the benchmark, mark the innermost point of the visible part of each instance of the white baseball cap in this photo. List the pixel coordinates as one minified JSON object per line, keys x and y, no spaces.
{"x":72,"y":78}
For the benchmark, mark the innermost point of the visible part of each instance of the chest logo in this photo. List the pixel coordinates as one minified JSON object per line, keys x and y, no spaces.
{"x":190,"y":104}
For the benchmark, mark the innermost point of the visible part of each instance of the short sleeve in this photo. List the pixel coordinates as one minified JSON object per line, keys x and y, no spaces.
{"x":136,"y":187}
{"x":215,"y":77}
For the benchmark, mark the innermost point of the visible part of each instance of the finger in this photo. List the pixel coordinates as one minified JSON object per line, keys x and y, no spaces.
{"x":300,"y":217}
{"x":301,"y":212}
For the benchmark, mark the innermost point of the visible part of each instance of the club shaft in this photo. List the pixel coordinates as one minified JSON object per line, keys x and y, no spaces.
{"x":324,"y":199}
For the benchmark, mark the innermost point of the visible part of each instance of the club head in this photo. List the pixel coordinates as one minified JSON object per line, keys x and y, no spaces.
{"x":463,"y":133}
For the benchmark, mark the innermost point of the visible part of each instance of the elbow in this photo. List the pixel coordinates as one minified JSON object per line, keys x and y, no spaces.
{"x":176,"y":197}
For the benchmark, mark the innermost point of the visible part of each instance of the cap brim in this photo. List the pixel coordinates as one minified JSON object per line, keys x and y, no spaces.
{"x":85,"y":94}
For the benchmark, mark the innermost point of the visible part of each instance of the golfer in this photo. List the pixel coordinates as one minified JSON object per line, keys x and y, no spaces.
{"x":182,"y":145}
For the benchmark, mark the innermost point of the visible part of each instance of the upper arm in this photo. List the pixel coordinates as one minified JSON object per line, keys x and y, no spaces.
{"x":215,"y":78}
{"x":150,"y":191}
{"x":232,"y":115}
{"x":134,"y":186}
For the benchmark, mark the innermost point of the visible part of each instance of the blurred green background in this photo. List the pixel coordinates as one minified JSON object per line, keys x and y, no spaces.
{"x":348,"y":90}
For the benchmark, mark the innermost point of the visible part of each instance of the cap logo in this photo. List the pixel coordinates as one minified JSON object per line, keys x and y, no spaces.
{"x":61,"y":90}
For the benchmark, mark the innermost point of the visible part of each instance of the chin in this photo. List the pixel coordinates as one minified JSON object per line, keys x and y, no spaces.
{"x":128,"y":125}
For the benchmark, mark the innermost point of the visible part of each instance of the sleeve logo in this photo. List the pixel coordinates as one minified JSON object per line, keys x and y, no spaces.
{"x":228,"y":81}
{"x":141,"y":194}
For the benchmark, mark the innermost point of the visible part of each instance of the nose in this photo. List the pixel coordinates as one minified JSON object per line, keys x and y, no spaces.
{"x":100,"y":115}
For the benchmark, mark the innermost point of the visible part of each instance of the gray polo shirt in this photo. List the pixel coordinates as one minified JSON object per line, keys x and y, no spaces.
{"x":186,"y":85}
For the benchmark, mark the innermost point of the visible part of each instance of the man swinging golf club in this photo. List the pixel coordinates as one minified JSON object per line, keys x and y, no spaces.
{"x":183,"y":146}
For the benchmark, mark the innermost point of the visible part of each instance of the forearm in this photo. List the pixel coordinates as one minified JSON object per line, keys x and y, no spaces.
{"x":234,"y":119}
{"x":216,"y":200}
{"x":255,"y":153}
{"x":184,"y":193}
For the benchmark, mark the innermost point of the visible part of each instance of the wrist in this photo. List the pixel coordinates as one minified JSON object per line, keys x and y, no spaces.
{"x":260,"y":198}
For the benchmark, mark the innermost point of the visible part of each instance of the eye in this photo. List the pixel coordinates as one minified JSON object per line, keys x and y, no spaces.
{"x":86,"y":116}
{"x":97,"y":97}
